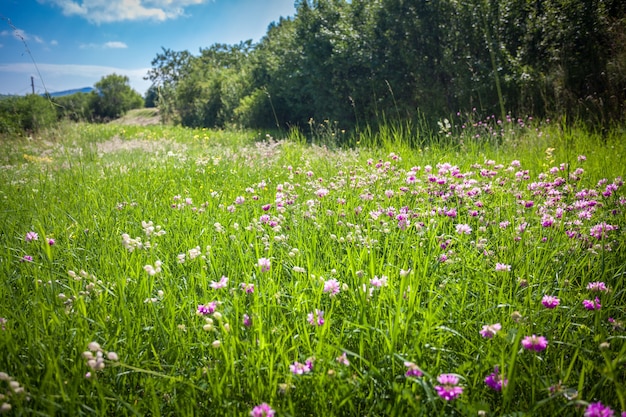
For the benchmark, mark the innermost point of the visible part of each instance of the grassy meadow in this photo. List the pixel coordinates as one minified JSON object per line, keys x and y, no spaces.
{"x":156,"y":270}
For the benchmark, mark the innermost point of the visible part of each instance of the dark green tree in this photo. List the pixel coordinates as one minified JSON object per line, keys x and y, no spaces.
{"x":113,"y":97}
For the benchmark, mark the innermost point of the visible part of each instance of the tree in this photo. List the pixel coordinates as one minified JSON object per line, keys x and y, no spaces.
{"x":113,"y":97}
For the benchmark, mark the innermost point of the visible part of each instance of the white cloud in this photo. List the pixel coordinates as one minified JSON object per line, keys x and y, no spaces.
{"x":54,"y":42}
{"x":107,"y":11}
{"x":115,"y":45}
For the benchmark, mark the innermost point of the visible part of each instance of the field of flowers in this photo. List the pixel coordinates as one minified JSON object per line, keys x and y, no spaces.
{"x":164,"y":271}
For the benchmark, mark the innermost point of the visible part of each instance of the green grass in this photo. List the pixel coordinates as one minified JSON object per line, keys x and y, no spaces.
{"x":355,"y":215}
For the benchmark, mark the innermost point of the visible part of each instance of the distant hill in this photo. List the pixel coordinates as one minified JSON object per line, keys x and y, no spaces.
{"x":69,"y":92}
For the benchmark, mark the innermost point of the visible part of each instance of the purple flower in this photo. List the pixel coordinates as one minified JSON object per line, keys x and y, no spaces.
{"x":379,"y":282}
{"x":51,"y":241}
{"x":262,"y":410}
{"x":489,"y":330}
{"x":30,"y":236}
{"x":495,"y":381}
{"x":204,"y":310}
{"x":264,"y":264}
{"x":592,"y":304}
{"x":247,"y":321}
{"x":315,"y":319}
{"x":550,"y":301}
{"x":412,"y":370}
{"x":598,"y":410}
{"x":223,"y":282}
{"x":343,"y":359}
{"x":27,"y":258}
{"x":449,"y":388}
{"x":536,"y":343}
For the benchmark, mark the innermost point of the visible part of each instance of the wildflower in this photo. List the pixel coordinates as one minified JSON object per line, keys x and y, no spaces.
{"x":30,"y":236}
{"x":502,"y":267}
{"x":449,"y":388}
{"x":592,"y":304}
{"x":597,"y":286}
{"x":3,"y":323}
{"x":220,"y":284}
{"x":489,"y":330}
{"x":299,"y":269}
{"x":316,"y":319}
{"x":247,"y":321}
{"x":51,"y":241}
{"x":248,"y":288}
{"x":332,"y":286}
{"x":550,"y":301}
{"x":343,"y":359}
{"x":412,"y":370}
{"x":536,"y":343}
{"x":495,"y":380}
{"x":322,"y":192}
{"x":204,"y":310}
{"x":379,"y":282}
{"x":298,"y":368}
{"x":262,"y":410}
{"x":216,"y":344}
{"x":463,"y":229}
{"x":598,"y":410}
{"x":264,"y":264}
{"x":27,"y":258}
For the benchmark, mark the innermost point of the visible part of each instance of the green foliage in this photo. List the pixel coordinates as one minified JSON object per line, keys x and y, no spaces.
{"x":359,"y":61}
{"x":113,"y":97}
{"x":75,"y":107}
{"x":26,"y":114}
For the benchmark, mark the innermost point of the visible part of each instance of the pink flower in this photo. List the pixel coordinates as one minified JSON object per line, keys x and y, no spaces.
{"x":247,"y":321}
{"x":536,"y":343}
{"x":298,"y":368}
{"x":379,"y":282}
{"x":223,"y":282}
{"x":51,"y":242}
{"x":30,"y":236}
{"x":343,"y":359}
{"x":316,"y":319}
{"x":489,"y":330}
{"x":592,"y":305}
{"x":463,"y":229}
{"x":597,"y":286}
{"x":264,"y":264}
{"x":262,"y":410}
{"x":502,"y":267}
{"x":449,"y":388}
{"x":247,"y":287}
{"x":332,"y":286}
{"x":550,"y":301}
{"x":412,"y":370}
{"x":27,"y":258}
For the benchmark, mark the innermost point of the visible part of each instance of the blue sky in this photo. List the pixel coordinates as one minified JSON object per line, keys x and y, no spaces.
{"x":74,"y":43}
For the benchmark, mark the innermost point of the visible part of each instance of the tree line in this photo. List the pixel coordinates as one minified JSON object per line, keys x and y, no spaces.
{"x":360,"y":62}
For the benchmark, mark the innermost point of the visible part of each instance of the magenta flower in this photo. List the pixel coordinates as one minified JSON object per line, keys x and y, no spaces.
{"x":316,"y":319}
{"x":248,"y":288}
{"x":51,"y":241}
{"x":262,"y":410}
{"x":222,"y":283}
{"x":204,"y":310}
{"x":598,"y":410}
{"x":247,"y":321}
{"x":412,"y":370}
{"x":332,"y":286}
{"x":27,"y":258}
{"x":30,"y":236}
{"x":592,"y":304}
{"x":550,"y":301}
{"x":489,"y":330}
{"x":449,"y":388}
{"x":495,"y":381}
{"x":264,"y":264}
{"x":536,"y":343}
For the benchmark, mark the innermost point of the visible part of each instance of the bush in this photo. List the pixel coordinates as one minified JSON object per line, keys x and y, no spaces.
{"x":26,"y":114}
